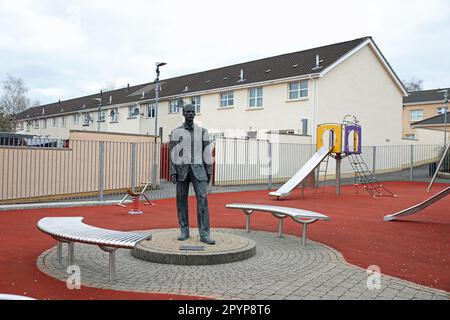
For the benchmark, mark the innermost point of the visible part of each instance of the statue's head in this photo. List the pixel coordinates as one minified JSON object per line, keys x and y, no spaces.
{"x":189,"y":112}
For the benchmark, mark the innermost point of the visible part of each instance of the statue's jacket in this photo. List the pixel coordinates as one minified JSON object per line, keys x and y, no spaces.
{"x":190,"y":147}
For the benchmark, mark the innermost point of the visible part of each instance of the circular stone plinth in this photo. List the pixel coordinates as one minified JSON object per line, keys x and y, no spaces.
{"x":165,"y":248}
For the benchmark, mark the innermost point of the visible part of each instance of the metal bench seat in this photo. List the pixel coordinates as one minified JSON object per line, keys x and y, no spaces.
{"x":72,"y":229}
{"x":304,"y":217}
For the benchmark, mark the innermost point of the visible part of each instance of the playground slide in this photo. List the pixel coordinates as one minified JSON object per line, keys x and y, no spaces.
{"x":309,"y":167}
{"x":418,"y":207}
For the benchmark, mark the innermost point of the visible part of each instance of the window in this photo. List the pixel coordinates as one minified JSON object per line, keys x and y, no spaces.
{"x":101,"y":116}
{"x":441,"y":110}
{"x":76,"y":118}
{"x":174,"y":106}
{"x":196,"y":103}
{"x":151,"y":110}
{"x":44,"y":123}
{"x":255,"y":97}
{"x":55,"y":122}
{"x":298,"y":90}
{"x":416,"y":115}
{"x":133,"y":112}
{"x":63,"y":121}
{"x":36,"y":124}
{"x":409,"y":136}
{"x":28,"y":126}
{"x":86,"y":119}
{"x":21,"y":125}
{"x":227,"y":99}
{"x":114,"y":114}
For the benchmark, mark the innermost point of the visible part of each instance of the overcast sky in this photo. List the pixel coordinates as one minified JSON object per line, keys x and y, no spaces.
{"x":65,"y":48}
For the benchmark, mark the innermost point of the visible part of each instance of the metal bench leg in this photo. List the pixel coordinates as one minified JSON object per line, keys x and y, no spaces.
{"x":304,"y":227}
{"x":280,"y":228}
{"x":112,"y":261}
{"x":247,"y":219}
{"x":112,"y":265}
{"x":71,"y":253}
{"x":59,"y":251}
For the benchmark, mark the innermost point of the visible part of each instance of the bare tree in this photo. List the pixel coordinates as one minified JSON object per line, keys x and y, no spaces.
{"x":413,"y":84}
{"x":14,"y":99}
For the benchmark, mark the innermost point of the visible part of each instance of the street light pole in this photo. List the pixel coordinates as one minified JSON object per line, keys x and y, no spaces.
{"x":99,"y":111}
{"x":156,"y":133}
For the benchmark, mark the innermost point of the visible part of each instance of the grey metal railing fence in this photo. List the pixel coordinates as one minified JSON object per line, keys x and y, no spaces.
{"x":84,"y":169}
{"x":105,"y":169}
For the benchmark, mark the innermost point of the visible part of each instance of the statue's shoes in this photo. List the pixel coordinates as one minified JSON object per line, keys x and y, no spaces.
{"x":207,"y":240}
{"x":183,"y":236}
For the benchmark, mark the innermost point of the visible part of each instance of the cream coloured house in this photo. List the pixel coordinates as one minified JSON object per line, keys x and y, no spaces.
{"x":419,"y":106}
{"x":291,"y":93}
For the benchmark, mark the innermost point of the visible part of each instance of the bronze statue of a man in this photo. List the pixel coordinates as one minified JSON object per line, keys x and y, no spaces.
{"x":191,"y":161}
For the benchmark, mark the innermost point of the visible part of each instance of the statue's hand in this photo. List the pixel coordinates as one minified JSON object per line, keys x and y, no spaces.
{"x":173,"y":179}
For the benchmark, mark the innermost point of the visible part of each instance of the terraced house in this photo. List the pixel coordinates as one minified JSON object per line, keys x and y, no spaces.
{"x":423,"y":115}
{"x":290,"y":93}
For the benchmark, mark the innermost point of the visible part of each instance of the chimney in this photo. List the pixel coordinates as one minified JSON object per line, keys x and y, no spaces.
{"x":110,"y":99}
{"x":318,"y":62}
{"x":241,"y":76}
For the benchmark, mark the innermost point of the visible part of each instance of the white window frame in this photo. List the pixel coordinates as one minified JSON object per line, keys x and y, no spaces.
{"x":151,"y":111}
{"x":196,"y":102}
{"x":259,"y":94}
{"x":173,"y":107}
{"x":28,"y":126}
{"x":101,"y":116}
{"x":76,"y":118}
{"x":300,"y":92}
{"x":86,"y":119}
{"x":441,"y":110}
{"x":36,"y":124}
{"x":131,"y":114}
{"x":55,"y":122}
{"x":413,"y":115}
{"x":44,"y":123}
{"x":63,"y":121}
{"x":115,"y":118}
{"x":227,"y":99}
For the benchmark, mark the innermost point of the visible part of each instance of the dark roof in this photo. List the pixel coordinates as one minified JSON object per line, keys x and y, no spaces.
{"x":425,"y":96}
{"x":436,"y":120}
{"x":281,"y":66}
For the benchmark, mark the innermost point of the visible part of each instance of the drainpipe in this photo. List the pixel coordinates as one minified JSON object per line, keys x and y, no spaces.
{"x":314,"y":138}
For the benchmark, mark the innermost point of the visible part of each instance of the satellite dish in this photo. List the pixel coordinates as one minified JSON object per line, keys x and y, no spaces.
{"x":112,"y":113}
{"x":136,"y":111}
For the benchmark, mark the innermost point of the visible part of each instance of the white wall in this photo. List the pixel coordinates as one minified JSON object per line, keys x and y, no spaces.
{"x":361,"y":86}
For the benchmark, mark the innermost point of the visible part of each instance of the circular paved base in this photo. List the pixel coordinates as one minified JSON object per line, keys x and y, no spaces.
{"x":281,"y":269}
{"x":165,"y":248}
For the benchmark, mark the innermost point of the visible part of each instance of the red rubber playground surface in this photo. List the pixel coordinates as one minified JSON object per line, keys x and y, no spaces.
{"x":415,"y":248}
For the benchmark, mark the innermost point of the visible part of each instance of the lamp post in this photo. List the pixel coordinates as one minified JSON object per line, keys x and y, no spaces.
{"x":157,"y":89}
{"x":445,"y":91}
{"x":99,"y":111}
{"x":155,"y":153}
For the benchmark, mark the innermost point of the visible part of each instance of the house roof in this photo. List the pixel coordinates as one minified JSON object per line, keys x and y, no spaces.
{"x":296,"y":64}
{"x":433,"y":123}
{"x":425,"y":96}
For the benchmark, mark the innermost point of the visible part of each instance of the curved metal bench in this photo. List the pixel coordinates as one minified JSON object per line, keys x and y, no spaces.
{"x":303,"y":217}
{"x":71,"y":230}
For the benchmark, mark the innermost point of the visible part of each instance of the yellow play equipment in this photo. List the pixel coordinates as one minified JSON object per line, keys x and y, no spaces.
{"x":323,"y":136}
